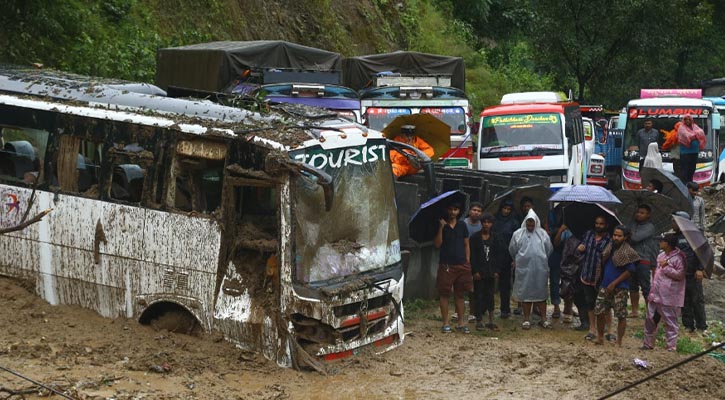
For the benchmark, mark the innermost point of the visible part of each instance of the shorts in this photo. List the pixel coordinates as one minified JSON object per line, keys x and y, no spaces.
{"x":456,"y":279}
{"x":616,"y":301}
{"x":641,"y":278}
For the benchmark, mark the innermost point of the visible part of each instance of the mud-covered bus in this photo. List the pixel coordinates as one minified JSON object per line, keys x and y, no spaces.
{"x":280,"y":234}
{"x":665,"y":108}
{"x":537,"y":133}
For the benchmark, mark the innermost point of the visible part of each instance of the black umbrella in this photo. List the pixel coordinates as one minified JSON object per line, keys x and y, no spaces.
{"x":718,"y":226}
{"x":672,"y":187}
{"x":539,"y":194}
{"x":661,"y":205}
{"x":423,"y":225}
{"x":579,"y":217}
{"x":698,"y":242}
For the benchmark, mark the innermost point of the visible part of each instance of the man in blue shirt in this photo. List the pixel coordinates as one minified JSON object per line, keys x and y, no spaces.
{"x":618,"y":259}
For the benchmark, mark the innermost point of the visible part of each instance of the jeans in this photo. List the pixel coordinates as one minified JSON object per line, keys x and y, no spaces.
{"x":555,"y":277}
{"x":642,"y":278}
{"x":693,"y":313}
{"x":483,"y":298}
{"x":504,"y":286}
{"x":688,"y":162}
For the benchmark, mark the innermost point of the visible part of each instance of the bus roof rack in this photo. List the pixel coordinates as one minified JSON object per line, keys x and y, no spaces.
{"x":532,"y":97}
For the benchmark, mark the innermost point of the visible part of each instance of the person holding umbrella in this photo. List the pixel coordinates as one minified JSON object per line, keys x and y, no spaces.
{"x":454,"y":266}
{"x":693,"y":311}
{"x":401,"y":164}
{"x":530,"y":247}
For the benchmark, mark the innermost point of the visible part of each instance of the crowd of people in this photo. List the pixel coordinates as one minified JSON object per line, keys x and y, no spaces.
{"x":596,"y":274}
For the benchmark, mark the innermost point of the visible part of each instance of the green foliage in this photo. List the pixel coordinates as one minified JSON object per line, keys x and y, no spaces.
{"x":418,"y":308}
{"x":685,"y":345}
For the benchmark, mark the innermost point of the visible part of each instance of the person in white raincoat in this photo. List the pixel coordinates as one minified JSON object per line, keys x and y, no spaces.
{"x":530,"y":247}
{"x":654,"y":158}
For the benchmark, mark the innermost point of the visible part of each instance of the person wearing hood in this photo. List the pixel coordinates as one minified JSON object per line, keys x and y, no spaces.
{"x":692,"y":141}
{"x":530,"y":247}
{"x":504,"y":225}
{"x":667,"y":295}
{"x":654,"y":158}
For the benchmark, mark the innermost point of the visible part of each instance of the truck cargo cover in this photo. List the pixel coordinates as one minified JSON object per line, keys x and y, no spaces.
{"x":212,"y":66}
{"x":358,"y":71}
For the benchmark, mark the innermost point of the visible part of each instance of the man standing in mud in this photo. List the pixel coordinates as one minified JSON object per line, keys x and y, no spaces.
{"x":504,"y":227}
{"x":454,"y":266}
{"x":592,"y":245}
{"x":643,"y":241}
{"x":693,"y":312}
{"x":618,"y":260}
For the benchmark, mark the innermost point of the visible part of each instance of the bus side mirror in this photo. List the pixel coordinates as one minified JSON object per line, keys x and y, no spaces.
{"x":621,"y":121}
{"x":716,"y":121}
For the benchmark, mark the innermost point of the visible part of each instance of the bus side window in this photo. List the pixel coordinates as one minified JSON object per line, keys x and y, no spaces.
{"x":79,"y":163}
{"x":128,"y":172}
{"x":22,"y":153}
{"x":197,"y":176}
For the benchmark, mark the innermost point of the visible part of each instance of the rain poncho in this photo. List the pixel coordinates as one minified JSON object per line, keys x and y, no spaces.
{"x":530,"y":251}
{"x":400,"y":163}
{"x":654,"y":158}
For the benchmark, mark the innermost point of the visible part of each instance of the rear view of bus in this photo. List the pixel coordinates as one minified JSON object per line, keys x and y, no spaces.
{"x":533,"y":133}
{"x":665,"y":108}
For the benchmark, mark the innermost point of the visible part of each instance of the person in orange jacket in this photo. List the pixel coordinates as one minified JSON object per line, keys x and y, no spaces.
{"x":401,"y":165}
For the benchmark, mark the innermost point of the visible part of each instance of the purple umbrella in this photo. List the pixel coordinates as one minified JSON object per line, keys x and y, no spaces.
{"x":586,"y":193}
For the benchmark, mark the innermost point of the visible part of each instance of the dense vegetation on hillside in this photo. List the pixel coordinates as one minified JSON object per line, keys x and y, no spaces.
{"x":603,"y":50}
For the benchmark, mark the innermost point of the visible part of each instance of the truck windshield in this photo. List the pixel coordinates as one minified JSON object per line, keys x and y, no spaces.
{"x":360,"y":233}
{"x":540,"y":134}
{"x":379,"y":118}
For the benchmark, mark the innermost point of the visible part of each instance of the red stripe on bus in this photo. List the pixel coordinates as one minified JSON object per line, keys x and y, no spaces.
{"x":521,"y":158}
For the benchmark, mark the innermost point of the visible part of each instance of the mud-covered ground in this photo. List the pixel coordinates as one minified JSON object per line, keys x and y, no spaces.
{"x":87,"y":356}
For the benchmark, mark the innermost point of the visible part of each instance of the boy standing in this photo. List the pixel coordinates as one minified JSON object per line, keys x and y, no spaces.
{"x":486,"y":252}
{"x":698,"y":205}
{"x":454,"y":266}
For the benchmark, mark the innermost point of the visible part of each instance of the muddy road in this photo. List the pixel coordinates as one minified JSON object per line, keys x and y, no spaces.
{"x":90,"y":357}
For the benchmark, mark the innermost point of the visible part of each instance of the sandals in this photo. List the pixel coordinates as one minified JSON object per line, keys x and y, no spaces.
{"x":567,"y":319}
{"x":610,"y":337}
{"x":492,"y":327}
{"x":590,"y":336}
{"x":463,"y":329}
{"x":545,"y":324}
{"x":446,"y":329}
{"x":556,"y":314}
{"x":645,"y":347}
{"x":526,"y":325}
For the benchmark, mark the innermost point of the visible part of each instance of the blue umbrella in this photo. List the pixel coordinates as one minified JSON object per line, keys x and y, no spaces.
{"x":585,"y":193}
{"x":423,"y":225}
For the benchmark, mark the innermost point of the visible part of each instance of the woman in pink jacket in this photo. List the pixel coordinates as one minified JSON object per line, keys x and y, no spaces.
{"x":692,"y":140}
{"x":667,"y":295}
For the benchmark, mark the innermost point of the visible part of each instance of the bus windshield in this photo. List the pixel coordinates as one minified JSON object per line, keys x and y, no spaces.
{"x":666,"y":126}
{"x":325,"y":248}
{"x":540,"y":134}
{"x":455,"y":117}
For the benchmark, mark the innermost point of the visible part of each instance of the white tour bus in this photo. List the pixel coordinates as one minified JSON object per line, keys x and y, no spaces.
{"x":536,"y":133}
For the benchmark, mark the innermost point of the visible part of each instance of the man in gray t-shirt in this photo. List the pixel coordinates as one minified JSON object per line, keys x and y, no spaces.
{"x":645,"y":136}
{"x":473,"y":220}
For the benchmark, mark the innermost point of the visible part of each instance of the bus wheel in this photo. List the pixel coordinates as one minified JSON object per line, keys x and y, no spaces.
{"x":171,"y":317}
